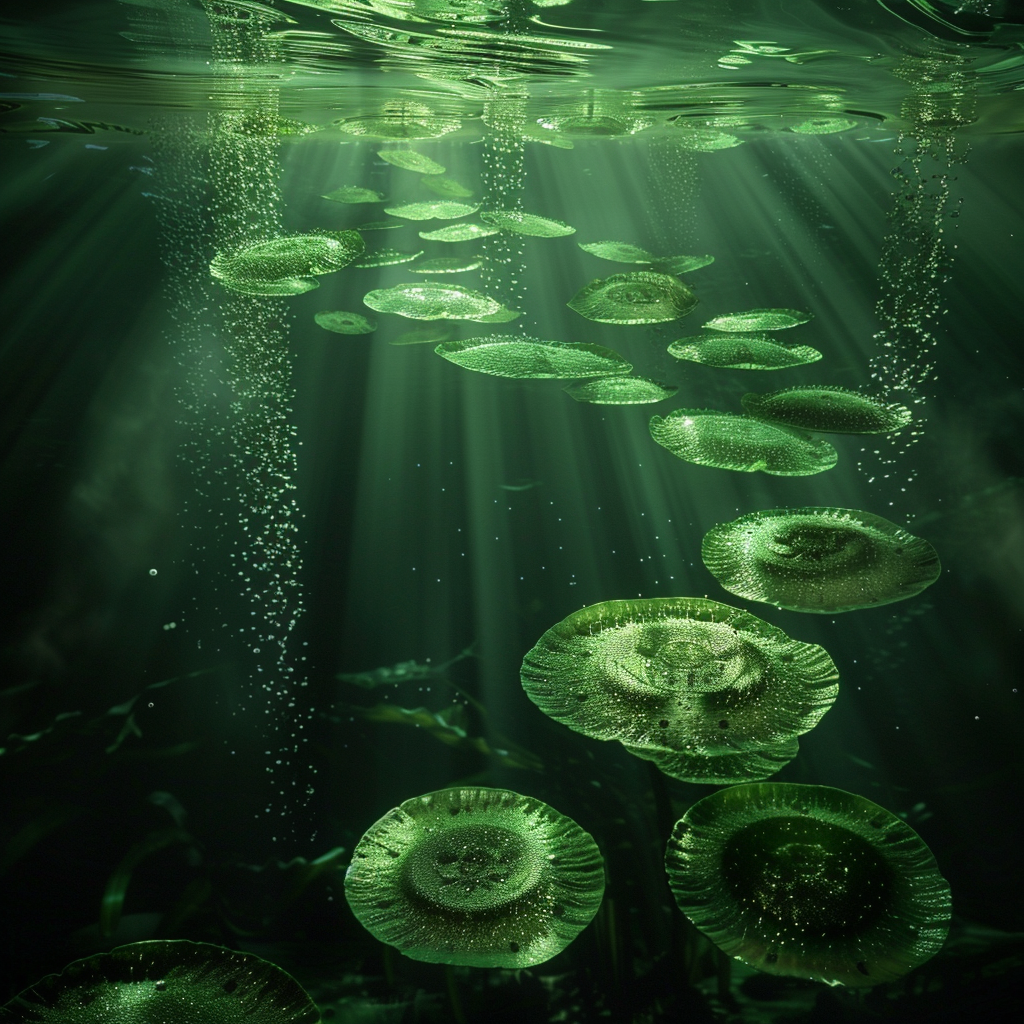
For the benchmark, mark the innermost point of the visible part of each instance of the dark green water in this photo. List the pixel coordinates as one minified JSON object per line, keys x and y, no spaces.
{"x":214,"y":508}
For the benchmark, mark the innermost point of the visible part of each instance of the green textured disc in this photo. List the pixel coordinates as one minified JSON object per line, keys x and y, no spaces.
{"x":720,"y":769}
{"x":621,"y":391}
{"x":679,"y":674}
{"x":410,"y":161}
{"x":447,"y":187}
{"x":637,"y":297}
{"x":285,"y":286}
{"x":830,"y":409}
{"x":165,"y":982}
{"x":513,"y":355}
{"x":440,"y":209}
{"x":617,"y":252}
{"x":520,"y":223}
{"x":354,"y":194}
{"x":428,"y":300}
{"x":291,"y":256}
{"x":759,"y":320}
{"x":342,"y":322}
{"x":741,"y":351}
{"x":475,"y":877}
{"x":810,"y":882}
{"x":386,"y":258}
{"x":458,"y":233}
{"x":447,"y":265}
{"x":741,"y":443}
{"x":819,"y":559}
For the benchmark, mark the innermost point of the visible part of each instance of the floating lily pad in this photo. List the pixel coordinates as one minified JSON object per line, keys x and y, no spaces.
{"x":621,"y":391}
{"x":721,"y":439}
{"x":637,"y":297}
{"x":354,"y":194}
{"x":447,"y":187}
{"x":442,"y":209}
{"x":428,"y":300}
{"x":810,"y":882}
{"x":819,"y":559}
{"x":165,"y":981}
{"x":410,"y":161}
{"x":291,"y":256}
{"x":742,"y":351}
{"x":829,"y":409}
{"x":521,"y":223}
{"x":386,"y":258}
{"x":681,"y":676}
{"x":341,"y":322}
{"x":759,"y":320}
{"x":617,"y":252}
{"x":286,"y":286}
{"x":447,"y":265}
{"x":475,"y":877}
{"x":511,"y":355}
{"x":458,"y":233}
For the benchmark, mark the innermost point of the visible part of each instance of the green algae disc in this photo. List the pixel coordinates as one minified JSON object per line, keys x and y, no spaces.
{"x":353,"y":194}
{"x":170,"y":981}
{"x":819,"y":559}
{"x":475,"y":877}
{"x":637,"y":297}
{"x":442,"y":209}
{"x":410,"y":161}
{"x":341,"y":322}
{"x":458,"y":233}
{"x":431,"y":301}
{"x":520,"y":223}
{"x":759,"y":320}
{"x":720,"y":769}
{"x":684,"y":675}
{"x":512,"y":355}
{"x":291,"y":256}
{"x":447,"y":265}
{"x":285,"y":286}
{"x":741,"y":351}
{"x":621,"y":391}
{"x":829,"y":409}
{"x":727,"y":441}
{"x":617,"y":252}
{"x":810,"y":882}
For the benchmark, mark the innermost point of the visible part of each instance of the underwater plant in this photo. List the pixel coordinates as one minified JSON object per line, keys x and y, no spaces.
{"x":724,"y":440}
{"x":819,"y":559}
{"x":683,"y":682}
{"x":162,"y":981}
{"x":476,"y":877}
{"x":809,"y":881}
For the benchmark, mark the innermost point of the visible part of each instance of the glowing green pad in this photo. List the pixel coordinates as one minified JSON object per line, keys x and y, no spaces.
{"x":341,"y":322}
{"x":742,"y":351}
{"x":513,"y":355}
{"x":621,"y":391}
{"x":759,"y":320}
{"x":741,"y":443}
{"x":291,"y":256}
{"x":410,"y":161}
{"x":442,"y":209}
{"x":637,"y":297}
{"x":829,"y":409}
{"x":520,"y":223}
{"x":430,"y":301}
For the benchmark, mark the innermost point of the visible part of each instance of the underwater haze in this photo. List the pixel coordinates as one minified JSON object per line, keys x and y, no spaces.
{"x":514,"y":510}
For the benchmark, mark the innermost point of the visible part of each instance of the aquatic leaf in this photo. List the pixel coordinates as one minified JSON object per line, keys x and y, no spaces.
{"x":431,"y":301}
{"x":447,"y":187}
{"x":386,"y":258}
{"x":823,"y":125}
{"x":819,"y":559}
{"x":832,"y":410}
{"x":617,"y":252}
{"x":354,"y":194}
{"x":514,"y":355}
{"x":809,"y":882}
{"x":442,"y":209}
{"x":475,"y":877}
{"x":447,"y":265}
{"x":341,"y":322}
{"x":759,"y":320}
{"x":286,"y":286}
{"x":432,"y":335}
{"x":721,"y":439}
{"x":637,"y":297}
{"x":722,"y":769}
{"x":291,"y":256}
{"x":410,"y":161}
{"x":742,"y":351}
{"x":458,"y":233}
{"x":681,"y":264}
{"x":165,"y":980}
{"x":499,"y":316}
{"x":379,"y":225}
{"x":521,"y":223}
{"x":680,"y":676}
{"x":621,"y":391}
